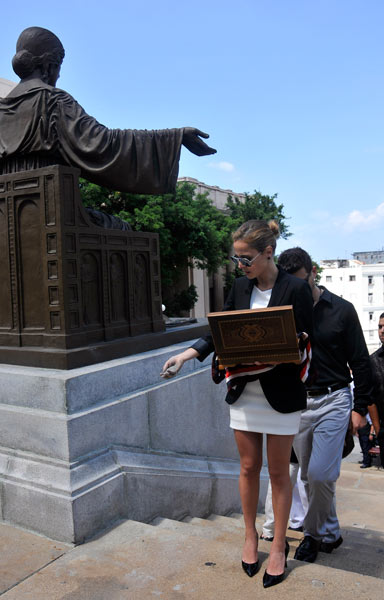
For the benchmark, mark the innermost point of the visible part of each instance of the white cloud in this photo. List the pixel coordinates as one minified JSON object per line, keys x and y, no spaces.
{"x":223,"y":166}
{"x":367,"y":219}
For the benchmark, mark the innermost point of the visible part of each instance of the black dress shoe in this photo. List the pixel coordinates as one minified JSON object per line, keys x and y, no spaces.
{"x":307,"y":549}
{"x":270,"y":580}
{"x":250,"y":568}
{"x":365,"y":466}
{"x":329,"y":546}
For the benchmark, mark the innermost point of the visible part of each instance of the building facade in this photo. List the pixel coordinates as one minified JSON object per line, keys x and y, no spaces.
{"x":210,"y":288}
{"x":6,"y":86}
{"x":363,"y":285}
{"x":370,"y":258}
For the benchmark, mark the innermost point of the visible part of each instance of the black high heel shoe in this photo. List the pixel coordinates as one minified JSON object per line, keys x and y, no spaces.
{"x":270,"y":580}
{"x":250,"y":568}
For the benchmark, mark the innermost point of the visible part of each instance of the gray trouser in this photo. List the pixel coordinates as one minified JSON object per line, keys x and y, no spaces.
{"x":319,"y":446}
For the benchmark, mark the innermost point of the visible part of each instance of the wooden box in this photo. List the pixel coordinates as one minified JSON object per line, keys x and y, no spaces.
{"x":266,"y":335}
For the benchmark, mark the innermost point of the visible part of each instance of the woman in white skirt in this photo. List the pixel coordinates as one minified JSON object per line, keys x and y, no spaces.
{"x":272,"y":403}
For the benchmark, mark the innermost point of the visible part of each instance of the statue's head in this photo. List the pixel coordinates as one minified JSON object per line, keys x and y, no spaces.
{"x":38,"y":51}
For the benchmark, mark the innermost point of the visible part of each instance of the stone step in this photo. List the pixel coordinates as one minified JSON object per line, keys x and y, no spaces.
{"x":216,"y":521}
{"x":362,"y":550}
{"x":136,"y":561}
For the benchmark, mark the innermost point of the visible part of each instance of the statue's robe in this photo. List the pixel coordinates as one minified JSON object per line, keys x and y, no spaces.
{"x":41,"y":125}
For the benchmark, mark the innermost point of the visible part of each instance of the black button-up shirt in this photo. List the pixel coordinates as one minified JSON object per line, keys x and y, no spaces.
{"x":340,"y":347}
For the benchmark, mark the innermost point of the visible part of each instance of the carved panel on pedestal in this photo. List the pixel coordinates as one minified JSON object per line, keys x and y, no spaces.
{"x":50,"y":201}
{"x":5,"y":287}
{"x":118,"y":288}
{"x":30,"y":264}
{"x":141,"y":287}
{"x":69,"y":204}
{"x":90,"y":288}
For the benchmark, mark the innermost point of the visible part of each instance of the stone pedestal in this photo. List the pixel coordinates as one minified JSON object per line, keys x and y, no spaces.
{"x":81,"y":448}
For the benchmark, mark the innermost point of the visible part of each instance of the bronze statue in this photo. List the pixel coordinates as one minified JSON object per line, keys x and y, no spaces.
{"x":41,"y":125}
{"x":75,"y":288}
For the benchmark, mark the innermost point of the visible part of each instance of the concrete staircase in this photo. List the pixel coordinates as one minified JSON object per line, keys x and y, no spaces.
{"x":200,"y":558}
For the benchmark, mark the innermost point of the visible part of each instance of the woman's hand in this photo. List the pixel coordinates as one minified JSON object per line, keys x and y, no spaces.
{"x":174,"y":364}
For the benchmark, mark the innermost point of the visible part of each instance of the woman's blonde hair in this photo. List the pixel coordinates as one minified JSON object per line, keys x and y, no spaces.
{"x":258,"y":234}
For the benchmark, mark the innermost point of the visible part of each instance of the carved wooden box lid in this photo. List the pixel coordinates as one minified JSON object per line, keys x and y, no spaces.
{"x":262,"y":334}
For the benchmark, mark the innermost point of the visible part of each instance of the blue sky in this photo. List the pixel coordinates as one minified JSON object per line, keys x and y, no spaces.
{"x":290,"y":91}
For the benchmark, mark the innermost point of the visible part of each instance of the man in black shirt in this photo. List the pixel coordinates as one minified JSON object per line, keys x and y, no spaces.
{"x":339,"y":347}
{"x":376,"y":411}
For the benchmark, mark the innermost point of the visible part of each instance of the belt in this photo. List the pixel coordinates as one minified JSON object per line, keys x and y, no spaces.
{"x":326,"y":390}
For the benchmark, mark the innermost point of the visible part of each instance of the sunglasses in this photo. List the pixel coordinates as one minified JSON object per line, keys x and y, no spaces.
{"x":245,"y":262}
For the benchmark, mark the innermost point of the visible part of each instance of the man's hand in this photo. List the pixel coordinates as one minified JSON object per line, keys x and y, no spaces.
{"x":193,"y":142}
{"x":358,"y":421}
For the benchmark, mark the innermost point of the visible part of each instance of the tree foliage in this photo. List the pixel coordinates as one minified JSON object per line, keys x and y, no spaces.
{"x":257,"y":206}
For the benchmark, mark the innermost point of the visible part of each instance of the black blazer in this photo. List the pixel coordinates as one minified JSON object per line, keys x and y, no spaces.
{"x":282,"y":385}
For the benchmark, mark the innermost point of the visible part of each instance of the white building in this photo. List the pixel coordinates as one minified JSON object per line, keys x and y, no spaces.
{"x":363,"y":285}
{"x":370,"y":257}
{"x":6,"y":86}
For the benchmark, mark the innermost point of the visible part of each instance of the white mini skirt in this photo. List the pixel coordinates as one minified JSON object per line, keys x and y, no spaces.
{"x":252,"y":412}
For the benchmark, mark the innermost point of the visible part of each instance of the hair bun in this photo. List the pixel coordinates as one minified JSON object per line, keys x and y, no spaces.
{"x":274,"y":227}
{"x":23,"y":63}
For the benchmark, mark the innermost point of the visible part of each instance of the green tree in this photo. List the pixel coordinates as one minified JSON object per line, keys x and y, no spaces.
{"x":318,"y":271}
{"x":257,"y":206}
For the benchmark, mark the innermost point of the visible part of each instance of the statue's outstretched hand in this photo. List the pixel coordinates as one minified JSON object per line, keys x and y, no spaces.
{"x":193,"y":142}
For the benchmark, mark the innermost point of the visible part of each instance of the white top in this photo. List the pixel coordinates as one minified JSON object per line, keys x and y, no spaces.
{"x":260,"y":298}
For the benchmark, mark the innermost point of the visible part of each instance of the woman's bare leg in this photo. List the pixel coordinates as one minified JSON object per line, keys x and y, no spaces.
{"x":250,"y":446}
{"x":279,"y":454}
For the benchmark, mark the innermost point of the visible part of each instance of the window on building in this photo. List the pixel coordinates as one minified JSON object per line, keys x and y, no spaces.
{"x":328,"y":278}
{"x":371,"y":334}
{"x":341,"y":279}
{"x":371,"y":316}
{"x":370,"y":279}
{"x":352,"y":278}
{"x":370,"y":298}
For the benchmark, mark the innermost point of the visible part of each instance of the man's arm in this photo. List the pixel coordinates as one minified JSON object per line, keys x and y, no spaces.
{"x":358,"y":421}
{"x":360,"y":365}
{"x":374,"y":414}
